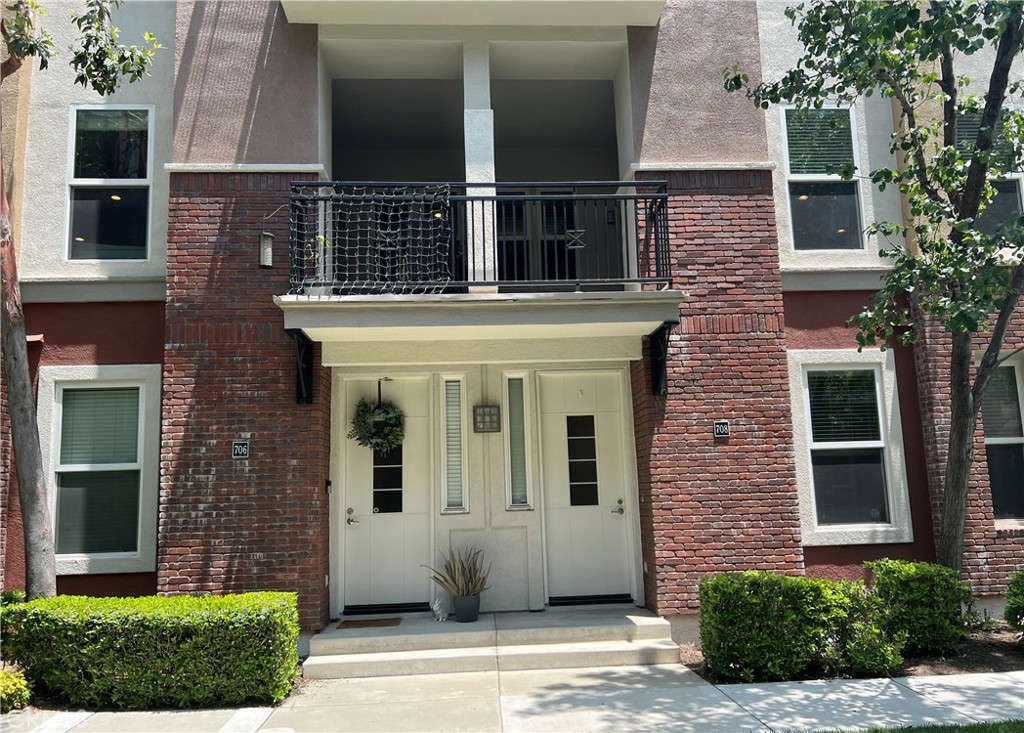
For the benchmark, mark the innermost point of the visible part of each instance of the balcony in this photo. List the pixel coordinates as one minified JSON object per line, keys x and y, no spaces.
{"x":439,"y":238}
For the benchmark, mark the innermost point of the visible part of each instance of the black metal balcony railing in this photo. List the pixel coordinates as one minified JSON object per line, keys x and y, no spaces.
{"x":381,"y":238}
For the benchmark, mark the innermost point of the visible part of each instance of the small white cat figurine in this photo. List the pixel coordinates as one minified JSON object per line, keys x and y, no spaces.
{"x":440,"y":613}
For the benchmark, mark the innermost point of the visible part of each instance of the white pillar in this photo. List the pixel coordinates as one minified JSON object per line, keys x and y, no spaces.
{"x":479,"y":147}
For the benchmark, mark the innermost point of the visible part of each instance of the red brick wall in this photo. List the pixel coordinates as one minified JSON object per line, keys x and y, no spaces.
{"x":710,"y":505}
{"x":229,"y":374}
{"x":990,"y":555}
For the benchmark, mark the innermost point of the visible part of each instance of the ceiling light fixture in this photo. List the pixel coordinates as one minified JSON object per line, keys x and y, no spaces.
{"x":79,"y":239}
{"x":115,"y":197}
{"x":803,"y":197}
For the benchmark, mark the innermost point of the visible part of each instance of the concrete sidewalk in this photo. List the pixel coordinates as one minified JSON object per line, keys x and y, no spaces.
{"x":612,"y":699}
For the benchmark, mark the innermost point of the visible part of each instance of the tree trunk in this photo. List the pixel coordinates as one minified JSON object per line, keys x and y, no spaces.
{"x":40,"y":563}
{"x":963,"y":421}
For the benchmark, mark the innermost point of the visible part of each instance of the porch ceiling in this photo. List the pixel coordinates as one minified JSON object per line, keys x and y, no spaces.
{"x":476,"y":12}
{"x":481,"y":328}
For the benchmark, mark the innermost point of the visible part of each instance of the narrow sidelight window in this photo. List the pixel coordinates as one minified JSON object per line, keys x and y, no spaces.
{"x":454,"y":469}
{"x":518,"y":493}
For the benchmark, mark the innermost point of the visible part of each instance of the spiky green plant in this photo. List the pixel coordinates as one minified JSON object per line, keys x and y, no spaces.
{"x":463,"y":572}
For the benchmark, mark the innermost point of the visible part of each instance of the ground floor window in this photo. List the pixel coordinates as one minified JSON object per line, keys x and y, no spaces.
{"x":102,"y":449}
{"x":849,"y":451}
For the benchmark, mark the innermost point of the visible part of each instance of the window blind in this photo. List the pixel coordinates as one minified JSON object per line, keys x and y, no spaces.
{"x":1000,"y":405}
{"x":517,"y":443}
{"x":99,"y":426}
{"x":968,"y":125}
{"x":97,"y":511}
{"x":819,"y":140}
{"x":844,"y":406}
{"x":454,"y":490}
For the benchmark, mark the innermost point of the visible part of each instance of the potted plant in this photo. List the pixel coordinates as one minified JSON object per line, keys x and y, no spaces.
{"x":463,"y":575}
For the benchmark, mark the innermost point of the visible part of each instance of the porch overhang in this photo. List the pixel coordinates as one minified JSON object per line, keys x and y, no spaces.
{"x":476,"y":12}
{"x":481,"y":328}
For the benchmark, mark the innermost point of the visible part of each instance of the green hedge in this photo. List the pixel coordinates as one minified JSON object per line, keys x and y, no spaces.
{"x":759,"y":626}
{"x":923,"y":601}
{"x":1014,"y":613}
{"x":141,"y":653}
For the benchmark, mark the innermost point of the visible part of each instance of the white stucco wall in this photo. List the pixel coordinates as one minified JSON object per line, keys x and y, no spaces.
{"x":873,"y":118}
{"x":45,"y":211}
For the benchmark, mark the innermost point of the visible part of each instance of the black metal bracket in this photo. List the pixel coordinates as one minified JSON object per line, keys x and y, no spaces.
{"x":658,"y":350}
{"x":303,"y":365}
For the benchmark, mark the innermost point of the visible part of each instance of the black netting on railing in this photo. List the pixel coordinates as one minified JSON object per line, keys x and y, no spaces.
{"x":412,"y":238}
{"x":353,"y":239}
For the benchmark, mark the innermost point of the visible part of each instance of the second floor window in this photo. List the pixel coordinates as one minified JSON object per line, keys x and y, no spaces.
{"x":1004,"y":441}
{"x":824,"y":209}
{"x":110,"y":183}
{"x":1004,"y":205}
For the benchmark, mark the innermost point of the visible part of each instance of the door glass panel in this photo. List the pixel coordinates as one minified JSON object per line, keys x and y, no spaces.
{"x":387,"y":481}
{"x":582,"y":439}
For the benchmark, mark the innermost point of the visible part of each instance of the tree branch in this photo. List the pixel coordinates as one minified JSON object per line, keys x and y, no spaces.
{"x":947,"y":83}
{"x":920,"y":164}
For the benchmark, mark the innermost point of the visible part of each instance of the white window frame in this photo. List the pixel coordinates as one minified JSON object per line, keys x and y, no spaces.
{"x":53,"y":380}
{"x":899,"y":527}
{"x":1017,"y":364}
{"x":822,"y":178}
{"x":73,"y":182}
{"x":507,"y":448}
{"x":461,"y":380}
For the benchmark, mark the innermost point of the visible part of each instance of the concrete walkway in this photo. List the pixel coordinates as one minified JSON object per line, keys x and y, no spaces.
{"x":612,"y":699}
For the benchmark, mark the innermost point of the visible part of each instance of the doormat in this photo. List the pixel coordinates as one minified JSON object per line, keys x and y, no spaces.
{"x":368,"y":623}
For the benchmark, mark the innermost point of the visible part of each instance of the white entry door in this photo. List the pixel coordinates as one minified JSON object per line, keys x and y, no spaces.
{"x":587,"y":504}
{"x":386,"y":514}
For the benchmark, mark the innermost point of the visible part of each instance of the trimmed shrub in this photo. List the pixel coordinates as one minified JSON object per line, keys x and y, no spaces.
{"x":141,"y":653}
{"x":1014,"y":613}
{"x":758,"y":627}
{"x":923,"y":601}
{"x":7,"y":597}
{"x":14,"y":690}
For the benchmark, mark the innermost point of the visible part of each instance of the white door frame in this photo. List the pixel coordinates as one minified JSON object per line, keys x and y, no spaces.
{"x":337,"y":501}
{"x":633,"y":546}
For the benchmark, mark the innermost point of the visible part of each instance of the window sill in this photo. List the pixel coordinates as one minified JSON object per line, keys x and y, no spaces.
{"x":1010,"y":527}
{"x":105,"y":564}
{"x":858,"y":535}
{"x":519,"y":508}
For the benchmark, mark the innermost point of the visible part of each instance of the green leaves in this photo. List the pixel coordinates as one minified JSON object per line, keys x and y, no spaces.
{"x":152,"y":652}
{"x":99,"y":61}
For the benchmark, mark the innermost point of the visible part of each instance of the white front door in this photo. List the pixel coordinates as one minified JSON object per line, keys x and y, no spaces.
{"x":386,"y":515}
{"x":586,"y":486}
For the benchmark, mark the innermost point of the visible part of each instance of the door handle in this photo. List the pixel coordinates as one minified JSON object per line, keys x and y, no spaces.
{"x":620,"y":510}
{"x":352,"y":520}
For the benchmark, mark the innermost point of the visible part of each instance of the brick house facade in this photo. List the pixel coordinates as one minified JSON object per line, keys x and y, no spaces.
{"x":595,"y":486}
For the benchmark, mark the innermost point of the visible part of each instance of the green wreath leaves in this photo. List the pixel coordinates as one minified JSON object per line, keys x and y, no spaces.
{"x":378,"y":426}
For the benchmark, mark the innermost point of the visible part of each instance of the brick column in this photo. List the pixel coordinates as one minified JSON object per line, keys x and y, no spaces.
{"x":710,"y":505}
{"x":231,"y":525}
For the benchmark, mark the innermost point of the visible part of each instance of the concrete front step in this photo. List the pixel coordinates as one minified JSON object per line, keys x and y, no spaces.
{"x":421,"y":632}
{"x":483,"y":659}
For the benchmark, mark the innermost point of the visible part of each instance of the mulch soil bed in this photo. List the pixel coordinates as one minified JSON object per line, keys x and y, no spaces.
{"x":1000,"y":649}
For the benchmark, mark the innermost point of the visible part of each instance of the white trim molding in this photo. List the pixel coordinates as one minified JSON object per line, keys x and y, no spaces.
{"x":247,"y":168}
{"x":147,"y":377}
{"x":898,"y":528}
{"x":716,"y":165}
